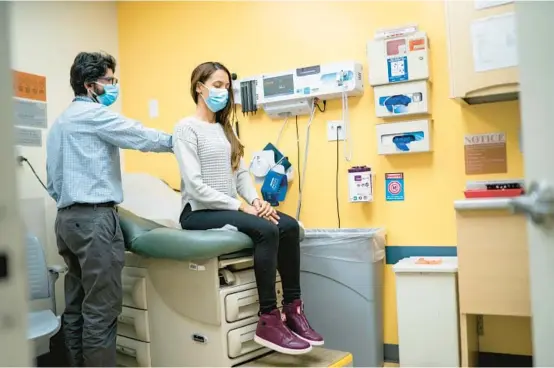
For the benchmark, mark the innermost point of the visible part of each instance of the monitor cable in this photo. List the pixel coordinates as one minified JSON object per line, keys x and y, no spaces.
{"x":337,"y":178}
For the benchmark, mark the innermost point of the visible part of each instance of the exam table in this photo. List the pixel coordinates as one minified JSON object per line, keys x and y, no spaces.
{"x":190,"y":297}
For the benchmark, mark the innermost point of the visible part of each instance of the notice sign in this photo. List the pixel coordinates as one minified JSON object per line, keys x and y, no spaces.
{"x":394,"y":186}
{"x":29,"y":91}
{"x":485,"y":154}
{"x":29,"y":86}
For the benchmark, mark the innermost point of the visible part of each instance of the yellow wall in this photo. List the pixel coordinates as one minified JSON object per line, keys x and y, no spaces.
{"x":160,"y":44}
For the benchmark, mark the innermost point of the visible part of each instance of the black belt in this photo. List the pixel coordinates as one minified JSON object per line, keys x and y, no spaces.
{"x":90,"y":205}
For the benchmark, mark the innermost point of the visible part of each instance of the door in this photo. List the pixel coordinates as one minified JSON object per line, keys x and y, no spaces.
{"x":535,"y":20}
{"x":14,"y":348}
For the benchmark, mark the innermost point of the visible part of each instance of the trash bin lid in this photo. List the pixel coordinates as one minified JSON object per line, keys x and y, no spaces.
{"x":426,"y":264}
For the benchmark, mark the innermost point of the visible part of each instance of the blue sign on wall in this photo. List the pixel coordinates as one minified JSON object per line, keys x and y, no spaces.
{"x":394,"y":185}
{"x":397,"y":69}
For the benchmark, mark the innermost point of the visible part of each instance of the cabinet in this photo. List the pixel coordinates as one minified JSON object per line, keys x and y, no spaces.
{"x":465,"y":83}
{"x":493,"y":267}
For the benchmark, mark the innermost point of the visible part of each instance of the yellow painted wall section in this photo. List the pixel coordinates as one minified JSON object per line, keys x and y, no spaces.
{"x":161,"y":43}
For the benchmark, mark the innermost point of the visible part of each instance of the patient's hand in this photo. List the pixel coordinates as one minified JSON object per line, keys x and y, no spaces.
{"x":263,"y":207}
{"x":251,"y":210}
{"x":266,"y":211}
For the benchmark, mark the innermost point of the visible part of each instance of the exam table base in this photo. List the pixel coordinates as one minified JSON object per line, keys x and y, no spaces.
{"x":318,"y":357}
{"x":177,"y":314}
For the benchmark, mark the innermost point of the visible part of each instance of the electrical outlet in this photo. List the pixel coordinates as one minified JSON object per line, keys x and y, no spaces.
{"x":18,"y":156}
{"x":332,"y":127}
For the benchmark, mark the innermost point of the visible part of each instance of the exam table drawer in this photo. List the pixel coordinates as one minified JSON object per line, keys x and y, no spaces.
{"x":245,"y":304}
{"x":240,"y":341}
{"x":134,"y":288}
{"x":133,"y":323}
{"x":132,"y":353}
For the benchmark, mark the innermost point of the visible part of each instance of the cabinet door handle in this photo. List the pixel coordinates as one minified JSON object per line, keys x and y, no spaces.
{"x":537,"y":204}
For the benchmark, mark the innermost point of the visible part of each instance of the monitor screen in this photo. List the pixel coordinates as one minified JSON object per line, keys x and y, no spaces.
{"x":279,"y":86}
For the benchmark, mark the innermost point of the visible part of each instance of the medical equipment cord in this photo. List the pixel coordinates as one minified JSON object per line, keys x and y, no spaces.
{"x":306,"y":150}
{"x":281,"y":131}
{"x":324,"y":106}
{"x":22,"y":159}
{"x":170,"y":187}
{"x":298,"y":155}
{"x":337,"y":180}
{"x":347,"y":133}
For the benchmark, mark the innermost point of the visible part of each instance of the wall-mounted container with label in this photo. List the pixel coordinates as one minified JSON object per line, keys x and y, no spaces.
{"x":399,"y":55}
{"x":405,"y":137}
{"x":360,"y":184}
{"x":401,"y":99}
{"x":482,"y":52}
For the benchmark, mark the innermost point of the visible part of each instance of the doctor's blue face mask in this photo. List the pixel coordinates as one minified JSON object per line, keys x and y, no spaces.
{"x":111,"y":92}
{"x":217,"y":98}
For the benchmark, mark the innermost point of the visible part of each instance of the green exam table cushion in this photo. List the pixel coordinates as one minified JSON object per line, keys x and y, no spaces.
{"x":150,"y":239}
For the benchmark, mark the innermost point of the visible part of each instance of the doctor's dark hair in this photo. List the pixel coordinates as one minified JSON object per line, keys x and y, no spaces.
{"x":224,"y":117}
{"x":87,"y":68}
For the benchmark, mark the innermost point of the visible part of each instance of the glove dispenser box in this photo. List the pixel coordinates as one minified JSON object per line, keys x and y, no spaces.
{"x":404,"y":137}
{"x":402,"y":99}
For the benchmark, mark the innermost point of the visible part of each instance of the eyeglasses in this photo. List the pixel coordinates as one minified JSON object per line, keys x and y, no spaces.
{"x":109,"y":80}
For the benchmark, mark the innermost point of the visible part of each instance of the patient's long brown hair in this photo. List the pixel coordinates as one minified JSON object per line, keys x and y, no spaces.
{"x":224,"y":117}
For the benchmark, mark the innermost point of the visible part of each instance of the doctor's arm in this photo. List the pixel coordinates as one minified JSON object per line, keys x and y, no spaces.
{"x":130,"y":134}
{"x":245,"y":186}
{"x":185,"y":148}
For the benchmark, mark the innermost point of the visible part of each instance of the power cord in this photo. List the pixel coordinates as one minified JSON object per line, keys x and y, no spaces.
{"x":21,"y":160}
{"x":324,"y":106}
{"x":170,"y":187}
{"x":337,"y":179}
{"x":298,"y":156}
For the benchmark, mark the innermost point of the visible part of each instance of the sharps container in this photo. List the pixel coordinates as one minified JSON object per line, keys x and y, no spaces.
{"x":427,"y":308}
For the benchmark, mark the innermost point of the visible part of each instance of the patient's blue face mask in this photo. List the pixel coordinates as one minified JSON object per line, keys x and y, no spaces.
{"x":217,"y":98}
{"x":111,"y":92}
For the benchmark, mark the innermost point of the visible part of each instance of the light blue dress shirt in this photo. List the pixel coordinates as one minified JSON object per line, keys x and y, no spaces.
{"x":82,"y":152}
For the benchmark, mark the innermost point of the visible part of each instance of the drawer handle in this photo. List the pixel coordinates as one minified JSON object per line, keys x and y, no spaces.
{"x":126,"y":320}
{"x":127,"y":351}
{"x":199,"y":338}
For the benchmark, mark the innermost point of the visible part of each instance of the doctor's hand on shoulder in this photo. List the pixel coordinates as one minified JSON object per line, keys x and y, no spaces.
{"x":266,"y":211}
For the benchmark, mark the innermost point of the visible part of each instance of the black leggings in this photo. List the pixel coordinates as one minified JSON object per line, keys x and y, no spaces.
{"x":275,"y":247}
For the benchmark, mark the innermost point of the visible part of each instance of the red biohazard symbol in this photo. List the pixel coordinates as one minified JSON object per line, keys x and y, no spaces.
{"x":394,"y":187}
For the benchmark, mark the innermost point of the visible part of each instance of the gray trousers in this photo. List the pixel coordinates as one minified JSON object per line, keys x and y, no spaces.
{"x":91,"y":242}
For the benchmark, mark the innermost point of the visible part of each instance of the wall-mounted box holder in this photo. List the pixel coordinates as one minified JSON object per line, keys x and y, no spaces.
{"x":395,"y":57}
{"x":402,"y":99}
{"x":405,"y":137}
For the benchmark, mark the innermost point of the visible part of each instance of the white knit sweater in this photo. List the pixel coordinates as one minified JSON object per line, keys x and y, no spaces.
{"x":204,"y":156}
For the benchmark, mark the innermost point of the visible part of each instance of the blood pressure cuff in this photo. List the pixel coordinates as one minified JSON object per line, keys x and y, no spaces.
{"x":274,"y":188}
{"x":279,"y":157}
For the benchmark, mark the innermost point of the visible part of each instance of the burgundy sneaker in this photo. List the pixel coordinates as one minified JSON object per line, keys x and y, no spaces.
{"x":298,"y":324}
{"x":273,"y":334}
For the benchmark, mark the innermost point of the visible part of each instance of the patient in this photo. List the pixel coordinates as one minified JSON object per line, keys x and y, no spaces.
{"x":213,"y":177}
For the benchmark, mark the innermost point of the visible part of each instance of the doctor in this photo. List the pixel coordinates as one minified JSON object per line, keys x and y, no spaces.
{"x":84,"y":178}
